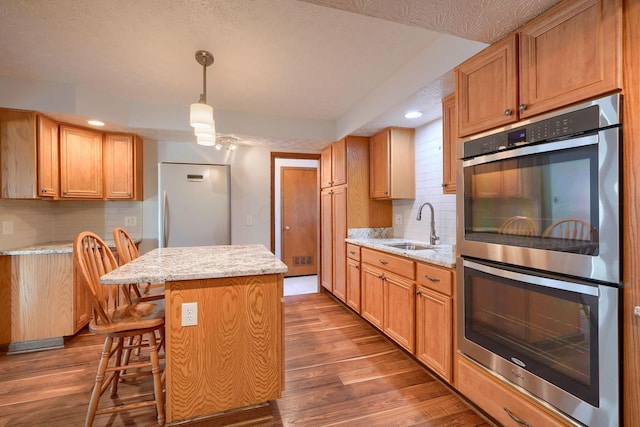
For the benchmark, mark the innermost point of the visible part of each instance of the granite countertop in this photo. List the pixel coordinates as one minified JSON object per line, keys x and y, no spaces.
{"x":197,"y":262}
{"x":442,"y":255}
{"x":63,"y":247}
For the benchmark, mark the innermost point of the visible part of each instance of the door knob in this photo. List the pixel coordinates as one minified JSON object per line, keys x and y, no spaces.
{"x":286,"y":228}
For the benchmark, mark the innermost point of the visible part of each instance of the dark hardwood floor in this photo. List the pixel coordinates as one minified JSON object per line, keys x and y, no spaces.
{"x":339,"y":371}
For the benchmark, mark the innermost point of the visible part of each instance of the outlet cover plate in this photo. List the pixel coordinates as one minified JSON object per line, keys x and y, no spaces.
{"x":189,"y":314}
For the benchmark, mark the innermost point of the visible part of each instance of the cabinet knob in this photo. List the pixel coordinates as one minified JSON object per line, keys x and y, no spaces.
{"x":444,"y":184}
{"x":386,"y":193}
{"x":522,"y":107}
{"x":417,"y":292}
{"x":44,"y":190}
{"x":508,"y":112}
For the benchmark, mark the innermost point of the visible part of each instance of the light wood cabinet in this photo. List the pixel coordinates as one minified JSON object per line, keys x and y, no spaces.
{"x":399,"y":310}
{"x":388,"y":295}
{"x":372,"y":294}
{"x":353,"y":277}
{"x":123,"y":167}
{"x":487,"y":88}
{"x":569,"y":54}
{"x":434,"y":319}
{"x":46,"y":302}
{"x":392,"y":162}
{"x":80,"y":163}
{"x":333,"y":166}
{"x":28,"y":155}
{"x":344,"y":206}
{"x":449,"y":140}
{"x":501,"y":401}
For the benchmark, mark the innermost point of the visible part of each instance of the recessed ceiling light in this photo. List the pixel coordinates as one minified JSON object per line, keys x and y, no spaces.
{"x":413,"y":114}
{"x":95,"y":123}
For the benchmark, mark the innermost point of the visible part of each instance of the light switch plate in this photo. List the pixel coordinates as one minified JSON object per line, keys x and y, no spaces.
{"x":130,"y":221}
{"x":189,"y":314}
{"x":398,"y":219}
{"x":7,"y":227}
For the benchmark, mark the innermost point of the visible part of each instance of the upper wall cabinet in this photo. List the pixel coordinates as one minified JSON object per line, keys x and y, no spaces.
{"x":28,"y":155}
{"x":122,"y":167}
{"x":80,"y":163}
{"x":569,"y":54}
{"x":392,"y":164}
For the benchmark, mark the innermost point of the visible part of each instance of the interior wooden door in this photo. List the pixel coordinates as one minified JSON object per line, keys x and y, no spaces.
{"x":299,"y":212}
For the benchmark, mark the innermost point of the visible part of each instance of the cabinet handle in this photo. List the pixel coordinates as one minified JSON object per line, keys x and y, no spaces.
{"x":357,"y":267}
{"x":381,"y":277}
{"x":433,"y":279}
{"x":44,"y":190}
{"x":418,"y":293}
{"x":383,"y":262}
{"x":386,"y":192}
{"x":522,"y":107}
{"x":516,"y":419}
{"x":508,"y":112}
{"x":352,"y":252}
{"x":444,"y":184}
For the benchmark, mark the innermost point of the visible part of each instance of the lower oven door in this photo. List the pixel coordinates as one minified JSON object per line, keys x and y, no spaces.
{"x":555,"y":338}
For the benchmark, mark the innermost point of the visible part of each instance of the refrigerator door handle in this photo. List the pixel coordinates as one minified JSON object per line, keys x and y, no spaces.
{"x":165,"y":219}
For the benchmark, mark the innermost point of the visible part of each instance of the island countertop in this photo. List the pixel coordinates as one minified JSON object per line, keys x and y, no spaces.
{"x":198,"y":262}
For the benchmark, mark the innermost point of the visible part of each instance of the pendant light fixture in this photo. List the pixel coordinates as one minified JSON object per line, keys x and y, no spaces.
{"x":201,"y":114}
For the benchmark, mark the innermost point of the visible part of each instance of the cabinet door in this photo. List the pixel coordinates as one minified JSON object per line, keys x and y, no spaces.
{"x":372,"y":288}
{"x":122,"y":165}
{"x":80,"y":163}
{"x":434,"y":339}
{"x":339,"y":162}
{"x":48,"y":163}
{"x":353,"y":284}
{"x":487,"y":88}
{"x":325,"y":168}
{"x":339,"y":244}
{"x":569,"y":54}
{"x":379,"y":165}
{"x":326,"y":239}
{"x":399,"y":310}
{"x":449,"y":140}
{"x":18,"y":158}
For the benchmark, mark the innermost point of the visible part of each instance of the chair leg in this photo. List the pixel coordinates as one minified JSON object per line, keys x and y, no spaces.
{"x":97,"y":387}
{"x":157,"y":380}
{"x":117,"y":362}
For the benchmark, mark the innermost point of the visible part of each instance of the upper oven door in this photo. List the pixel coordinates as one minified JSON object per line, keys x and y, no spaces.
{"x":551,"y":206}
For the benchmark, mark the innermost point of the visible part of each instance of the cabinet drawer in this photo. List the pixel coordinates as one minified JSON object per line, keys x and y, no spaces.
{"x":437,"y":279}
{"x":353,"y":251}
{"x":398,"y":265}
{"x":496,"y":399}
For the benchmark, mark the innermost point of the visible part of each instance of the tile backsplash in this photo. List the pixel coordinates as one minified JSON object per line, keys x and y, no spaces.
{"x":40,"y":221}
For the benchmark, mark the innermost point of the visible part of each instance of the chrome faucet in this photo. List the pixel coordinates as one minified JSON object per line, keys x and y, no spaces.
{"x":433,"y":238}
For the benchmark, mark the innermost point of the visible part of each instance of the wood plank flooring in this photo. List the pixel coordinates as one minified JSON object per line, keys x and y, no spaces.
{"x":340,"y":371}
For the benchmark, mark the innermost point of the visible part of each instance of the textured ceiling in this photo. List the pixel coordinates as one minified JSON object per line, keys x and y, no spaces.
{"x":310,"y":60}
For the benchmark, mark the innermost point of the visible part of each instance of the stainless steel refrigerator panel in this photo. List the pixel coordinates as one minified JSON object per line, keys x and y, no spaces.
{"x":194,"y":205}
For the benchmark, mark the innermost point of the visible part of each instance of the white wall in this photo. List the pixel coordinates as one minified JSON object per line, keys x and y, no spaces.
{"x":428,"y":189}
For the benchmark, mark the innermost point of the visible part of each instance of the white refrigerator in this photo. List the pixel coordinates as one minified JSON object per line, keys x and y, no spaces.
{"x":194,"y":204}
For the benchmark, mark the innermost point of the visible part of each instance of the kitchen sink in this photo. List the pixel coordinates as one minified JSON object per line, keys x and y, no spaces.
{"x":410,"y":246}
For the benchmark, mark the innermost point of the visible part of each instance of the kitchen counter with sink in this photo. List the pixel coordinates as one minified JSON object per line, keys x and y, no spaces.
{"x":442,"y":255}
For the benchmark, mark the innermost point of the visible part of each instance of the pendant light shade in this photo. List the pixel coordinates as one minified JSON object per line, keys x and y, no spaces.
{"x":200,"y":113}
{"x":201,"y":116}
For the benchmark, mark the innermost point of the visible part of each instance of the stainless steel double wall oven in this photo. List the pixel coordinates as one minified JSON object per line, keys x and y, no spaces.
{"x":540,"y":274}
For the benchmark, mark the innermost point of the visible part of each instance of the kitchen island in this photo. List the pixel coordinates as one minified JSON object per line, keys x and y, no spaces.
{"x":234,"y":356}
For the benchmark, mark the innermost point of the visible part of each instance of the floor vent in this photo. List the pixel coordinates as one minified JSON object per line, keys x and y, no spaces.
{"x":302,"y":260}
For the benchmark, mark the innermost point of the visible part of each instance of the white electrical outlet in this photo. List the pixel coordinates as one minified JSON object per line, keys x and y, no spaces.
{"x":7,"y":227}
{"x":130,"y":221}
{"x":249,"y":220}
{"x":398,"y":219}
{"x":636,"y":310}
{"x":189,"y":314}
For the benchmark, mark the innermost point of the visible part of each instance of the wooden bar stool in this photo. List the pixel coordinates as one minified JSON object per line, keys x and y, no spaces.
{"x":119,"y":323}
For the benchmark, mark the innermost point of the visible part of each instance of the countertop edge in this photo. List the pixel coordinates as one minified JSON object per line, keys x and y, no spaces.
{"x":444,"y":256}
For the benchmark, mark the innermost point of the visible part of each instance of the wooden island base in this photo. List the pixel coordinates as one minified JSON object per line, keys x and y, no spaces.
{"x":233,"y":357}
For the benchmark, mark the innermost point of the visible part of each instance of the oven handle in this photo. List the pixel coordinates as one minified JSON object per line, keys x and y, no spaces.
{"x":535,"y":280}
{"x":581,"y":141}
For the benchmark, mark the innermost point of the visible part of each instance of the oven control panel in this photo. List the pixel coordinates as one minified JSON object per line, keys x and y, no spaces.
{"x":562,"y":126}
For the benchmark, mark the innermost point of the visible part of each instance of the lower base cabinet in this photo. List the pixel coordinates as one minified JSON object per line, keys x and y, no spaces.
{"x":499,"y":400}
{"x":42,"y":297}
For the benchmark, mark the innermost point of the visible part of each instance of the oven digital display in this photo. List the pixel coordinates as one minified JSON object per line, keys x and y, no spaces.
{"x":517,"y":136}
